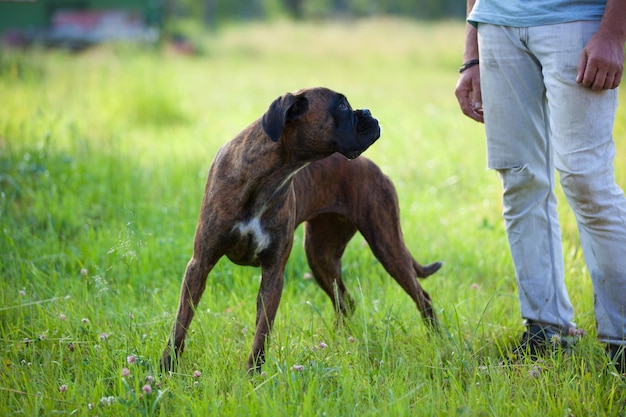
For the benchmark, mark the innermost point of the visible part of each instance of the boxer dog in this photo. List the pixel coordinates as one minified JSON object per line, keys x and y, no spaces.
{"x":296,"y":164}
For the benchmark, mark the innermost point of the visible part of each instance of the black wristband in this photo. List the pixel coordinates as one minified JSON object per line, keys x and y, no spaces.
{"x":468,"y":64}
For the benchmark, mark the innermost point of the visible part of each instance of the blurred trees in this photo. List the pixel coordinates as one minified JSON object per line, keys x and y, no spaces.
{"x":212,"y":11}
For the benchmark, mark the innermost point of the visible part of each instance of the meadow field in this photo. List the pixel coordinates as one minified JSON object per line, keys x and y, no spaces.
{"x":103,"y":159}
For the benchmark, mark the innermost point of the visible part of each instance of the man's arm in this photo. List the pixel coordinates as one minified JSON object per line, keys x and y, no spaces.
{"x":471,"y":41}
{"x":468,"y":86}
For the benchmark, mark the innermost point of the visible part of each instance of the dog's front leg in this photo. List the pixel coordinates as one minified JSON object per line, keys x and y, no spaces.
{"x":272,"y":279}
{"x":267,"y":303}
{"x":191,"y":291}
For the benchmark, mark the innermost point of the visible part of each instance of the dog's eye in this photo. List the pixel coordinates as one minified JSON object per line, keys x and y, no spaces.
{"x":343,"y":105}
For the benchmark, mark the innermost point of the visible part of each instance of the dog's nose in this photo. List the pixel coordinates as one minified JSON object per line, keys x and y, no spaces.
{"x":367,"y":112}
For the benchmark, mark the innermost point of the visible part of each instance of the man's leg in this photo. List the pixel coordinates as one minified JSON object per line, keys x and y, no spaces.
{"x":582,"y":126}
{"x":520,"y":149}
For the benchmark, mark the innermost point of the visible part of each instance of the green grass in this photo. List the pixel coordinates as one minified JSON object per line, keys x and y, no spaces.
{"x":103,"y":158}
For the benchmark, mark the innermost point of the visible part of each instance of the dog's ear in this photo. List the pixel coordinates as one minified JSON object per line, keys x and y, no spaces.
{"x":284,"y":109}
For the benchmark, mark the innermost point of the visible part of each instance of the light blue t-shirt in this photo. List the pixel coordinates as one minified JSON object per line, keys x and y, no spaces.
{"x":526,"y":13}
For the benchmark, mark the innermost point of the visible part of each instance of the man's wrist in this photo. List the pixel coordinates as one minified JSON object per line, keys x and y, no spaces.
{"x":468,"y":64}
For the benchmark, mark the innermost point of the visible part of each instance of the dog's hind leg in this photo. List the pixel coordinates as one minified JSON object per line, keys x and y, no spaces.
{"x":381,"y":228}
{"x":325,"y":240}
{"x":399,"y":263}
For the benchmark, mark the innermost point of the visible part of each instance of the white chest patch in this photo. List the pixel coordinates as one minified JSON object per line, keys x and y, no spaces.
{"x":254,"y":229}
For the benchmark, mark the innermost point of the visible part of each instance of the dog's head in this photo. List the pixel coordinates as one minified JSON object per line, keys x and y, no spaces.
{"x":318,"y":122}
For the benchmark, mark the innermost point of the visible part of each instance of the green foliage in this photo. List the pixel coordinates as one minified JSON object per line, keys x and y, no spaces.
{"x":103,"y":158}
{"x":218,"y":11}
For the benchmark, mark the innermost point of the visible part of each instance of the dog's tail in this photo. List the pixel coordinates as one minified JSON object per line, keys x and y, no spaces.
{"x":424,"y":271}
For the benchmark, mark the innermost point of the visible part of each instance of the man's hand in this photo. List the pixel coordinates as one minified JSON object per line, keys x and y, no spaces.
{"x":468,"y":94}
{"x":601,"y":63}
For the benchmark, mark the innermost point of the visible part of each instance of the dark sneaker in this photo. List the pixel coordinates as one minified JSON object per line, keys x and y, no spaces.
{"x":617,"y":355}
{"x":537,"y":341}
